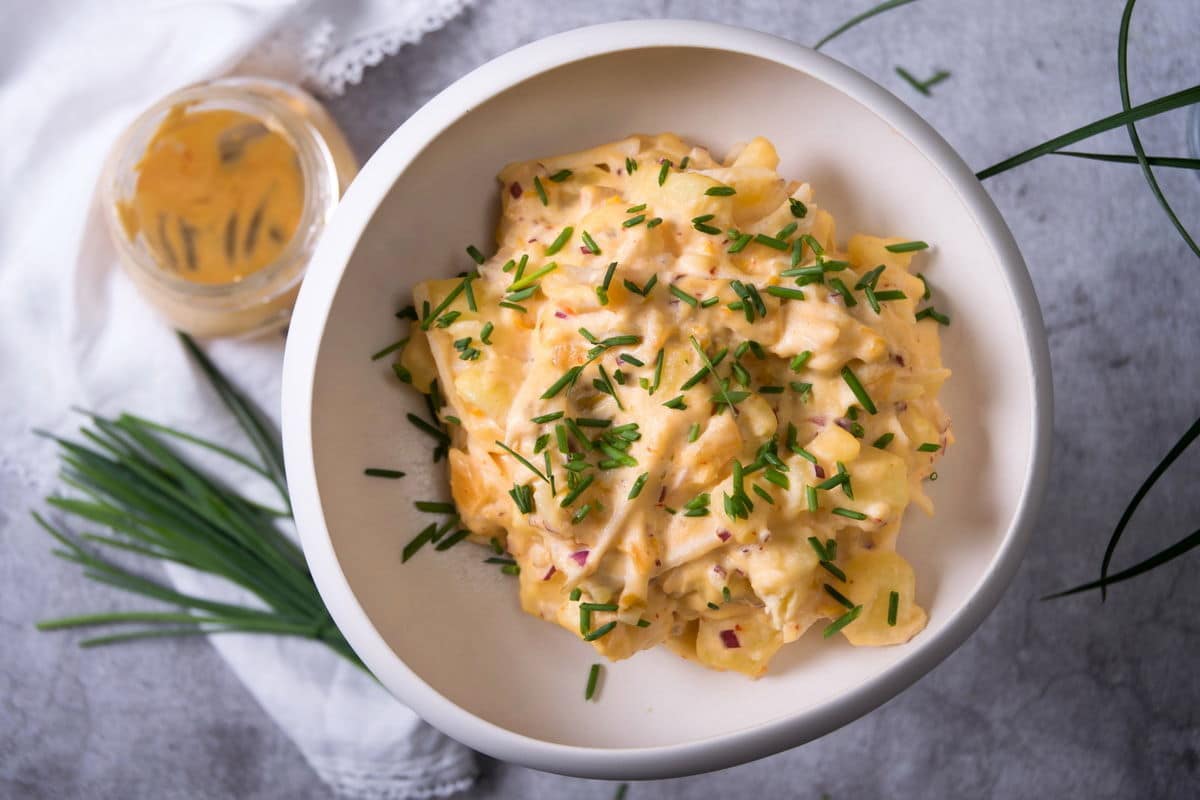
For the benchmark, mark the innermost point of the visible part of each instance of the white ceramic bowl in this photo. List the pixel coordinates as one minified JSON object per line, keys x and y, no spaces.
{"x":444,"y":632}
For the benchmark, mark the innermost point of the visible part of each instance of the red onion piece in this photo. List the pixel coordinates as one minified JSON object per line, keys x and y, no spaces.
{"x":730,"y":639}
{"x":724,"y":535}
{"x":819,"y":471}
{"x":580,"y":556}
{"x":514,"y":189}
{"x":549,"y":573}
{"x":560,"y":314}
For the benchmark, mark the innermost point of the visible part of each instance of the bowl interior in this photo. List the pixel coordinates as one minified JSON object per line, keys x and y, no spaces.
{"x":455,"y":621}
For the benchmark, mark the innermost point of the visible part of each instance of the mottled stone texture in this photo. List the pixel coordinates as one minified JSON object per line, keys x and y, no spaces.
{"x":1062,"y":699}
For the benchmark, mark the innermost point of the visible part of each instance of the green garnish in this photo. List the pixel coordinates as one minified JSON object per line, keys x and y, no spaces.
{"x":893,"y":607}
{"x":684,"y":296}
{"x":530,"y":279}
{"x":841,"y":289}
{"x":470,"y":292}
{"x":849,"y":513}
{"x":810,"y":495}
{"x":709,"y":302}
{"x":560,"y":240}
{"x":787,"y":230}
{"x":541,"y":190}
{"x":934,"y":315}
{"x":645,"y":290}
{"x":635,"y":209}
{"x":638,"y":484}
{"x":925,"y":294}
{"x":720,"y":191}
{"x":590,"y":244}
{"x":434,"y":507}
{"x":890,"y":294}
{"x":929,"y":447}
{"x":511,"y":569}
{"x":379,"y":472}
{"x":539,"y":445}
{"x":544,"y":418}
{"x":784,"y":293}
{"x":740,"y":244}
{"x":603,"y":630}
{"x":592,"y":422}
{"x":694,"y":432}
{"x":391,"y":348}
{"x":576,"y":593}
{"x":813,"y":244}
{"x":778,"y":478}
{"x":860,"y":393}
{"x":630,"y":165}
{"x":524,"y":461}
{"x":872,"y":300}
{"x":906,"y":247}
{"x":580,"y":515}
{"x":713,"y":371}
{"x":593,"y":676}
{"x":800,"y":387}
{"x":799,"y":360}
{"x":561,"y":175}
{"x":523,"y":294}
{"x":883,"y":441}
{"x":475,"y":255}
{"x":418,"y":542}
{"x":658,"y":368}
{"x":770,"y":241}
{"x":452,"y":539}
{"x":486,"y":332}
{"x":676,"y":403}
{"x":663,"y":171}
{"x":870,"y":278}
{"x":579,"y":489}
{"x":838,"y":596}
{"x":833,"y":482}
{"x":703,"y":227}
{"x":568,"y":379}
{"x":714,"y":606}
{"x":438,"y":434}
{"x":770,"y":390}
{"x":842,"y":621}
{"x":761,"y":492}
{"x":442,"y":306}
{"x":521,"y":267}
{"x":654,"y":223}
{"x":834,"y":569}
{"x":513,"y":306}
{"x":408,"y":312}
{"x":799,"y":210}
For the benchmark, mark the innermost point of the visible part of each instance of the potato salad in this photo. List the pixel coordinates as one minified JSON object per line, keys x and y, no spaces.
{"x":680,"y":410}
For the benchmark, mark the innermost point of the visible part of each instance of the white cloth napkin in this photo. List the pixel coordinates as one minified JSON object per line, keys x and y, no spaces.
{"x":74,"y":332}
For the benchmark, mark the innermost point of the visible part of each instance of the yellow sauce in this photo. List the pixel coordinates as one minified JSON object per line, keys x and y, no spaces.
{"x":218,"y":196}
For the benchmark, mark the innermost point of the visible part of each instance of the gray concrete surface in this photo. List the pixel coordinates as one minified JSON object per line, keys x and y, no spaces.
{"x":1062,"y":699}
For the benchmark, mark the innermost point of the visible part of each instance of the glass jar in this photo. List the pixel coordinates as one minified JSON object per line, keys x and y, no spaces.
{"x":261,"y":300}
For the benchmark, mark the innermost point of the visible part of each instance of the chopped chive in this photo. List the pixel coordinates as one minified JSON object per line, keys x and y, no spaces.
{"x":708,"y":302}
{"x":872,"y":300}
{"x":579,"y":489}
{"x":603,"y":630}
{"x":702,"y":218}
{"x":635,"y":209}
{"x":849,"y":513}
{"x":379,"y":472}
{"x":568,"y":379}
{"x":704,"y":227}
{"x":638,"y":484}
{"x":856,"y":387}
{"x":925,"y":294}
{"x":822,"y":554}
{"x":842,"y":621}
{"x":714,"y":606}
{"x":544,"y":418}
{"x":663,"y":171}
{"x":452,"y":539}
{"x":784,"y":293}
{"x":521,"y":267}
{"x":770,"y":241}
{"x":561,"y":175}
{"x":870,"y":278}
{"x":694,"y":432}
{"x":720,"y":191}
{"x":833,"y":569}
{"x":810,"y":496}
{"x":528,"y":280}
{"x":770,"y":390}
{"x":622,"y":340}
{"x":511,"y":569}
{"x":508,"y":265}
{"x":592,"y":422}
{"x":540,"y":444}
{"x":761,"y":492}
{"x":409,"y":312}
{"x":643,"y":623}
{"x":813,"y":244}
{"x":726,"y":594}
{"x":797,"y":253}
{"x":629,"y":358}
{"x":929,"y":447}
{"x":740,"y":244}
{"x":787,"y":230}
{"x":576,"y":593}
{"x":890,"y":294}
{"x":524,"y":461}
{"x":560,"y":240}
{"x":800,"y":387}
{"x":934,"y":315}
{"x":629,"y":223}
{"x":799,"y":210}
{"x":778,"y":478}
{"x":838,"y":596}
{"x":470,"y":293}
{"x":713,"y":371}
{"x":906,"y":247}
{"x":442,"y":306}
{"x":475,"y":255}
{"x":883,"y":441}
{"x":434,"y":507}
{"x":834,"y":266}
{"x":833,"y":482}
{"x":523,"y":294}
{"x":513,"y":306}
{"x":418,"y":542}
{"x":439,"y":435}
{"x":630,"y":165}
{"x":658,"y":368}
{"x":541,"y":190}
{"x":684,"y":296}
{"x":391,"y":348}
{"x":893,"y":607}
{"x":590,"y":244}
{"x":591,"y":337}
{"x":593,"y":676}
{"x":840,"y":288}
{"x":676,"y":403}
{"x":799,"y":360}
{"x":486,"y":332}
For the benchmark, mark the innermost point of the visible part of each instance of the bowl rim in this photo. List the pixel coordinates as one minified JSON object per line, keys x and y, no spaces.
{"x":332,"y":256}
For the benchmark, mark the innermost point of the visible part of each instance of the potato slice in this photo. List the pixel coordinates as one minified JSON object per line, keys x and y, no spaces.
{"x":872,"y":575}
